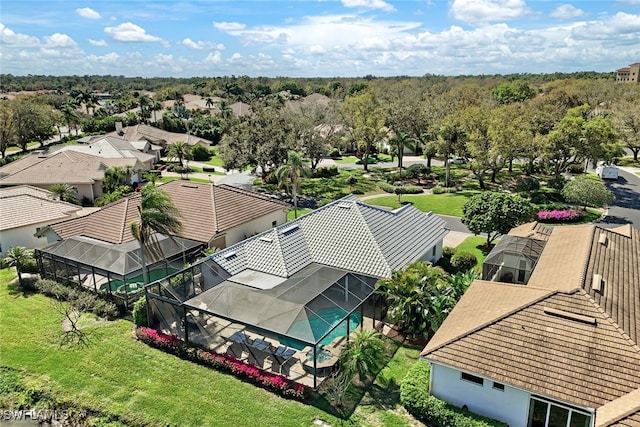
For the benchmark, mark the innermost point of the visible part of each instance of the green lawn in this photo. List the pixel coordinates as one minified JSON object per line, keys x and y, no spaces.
{"x":214,"y":161}
{"x":175,"y":178}
{"x":291,"y":214}
{"x":347,"y":160}
{"x":475,"y":245}
{"x":443,"y":204}
{"x":119,"y":375}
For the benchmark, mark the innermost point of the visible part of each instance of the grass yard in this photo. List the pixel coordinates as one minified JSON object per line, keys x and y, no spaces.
{"x":215,"y":161}
{"x":475,"y":245}
{"x":121,"y":375}
{"x":442,"y":204}
{"x":291,"y":215}
{"x":116,"y":374}
{"x":175,"y":178}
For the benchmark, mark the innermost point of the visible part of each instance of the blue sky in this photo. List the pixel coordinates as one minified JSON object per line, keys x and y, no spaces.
{"x":324,"y":38}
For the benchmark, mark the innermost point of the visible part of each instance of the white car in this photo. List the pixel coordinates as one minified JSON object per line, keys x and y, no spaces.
{"x":456,"y":160}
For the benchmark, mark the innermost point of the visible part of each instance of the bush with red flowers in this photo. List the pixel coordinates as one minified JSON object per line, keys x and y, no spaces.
{"x":557,"y":215}
{"x":222,"y":362}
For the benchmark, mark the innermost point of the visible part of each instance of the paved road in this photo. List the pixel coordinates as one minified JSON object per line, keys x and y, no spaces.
{"x":626,"y":206}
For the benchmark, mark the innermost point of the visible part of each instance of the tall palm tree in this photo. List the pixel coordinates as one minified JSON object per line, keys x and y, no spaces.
{"x":398,"y":142}
{"x":114,"y":177}
{"x":364,"y":355}
{"x":157,"y":214}
{"x":156,"y":106}
{"x":64,"y":192}
{"x":70,"y":116}
{"x":289,"y":176}
{"x":178,"y":150}
{"x":18,"y":257}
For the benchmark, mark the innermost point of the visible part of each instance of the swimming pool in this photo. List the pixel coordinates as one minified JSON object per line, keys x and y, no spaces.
{"x":118,"y":285}
{"x":318,"y":323}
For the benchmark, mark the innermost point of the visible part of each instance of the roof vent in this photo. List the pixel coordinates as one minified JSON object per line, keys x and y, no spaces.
{"x":188,"y":186}
{"x":570,"y":316}
{"x":231,"y":255}
{"x":603,"y":239}
{"x":596,"y":283}
{"x":266,"y":239}
{"x":344,"y":205}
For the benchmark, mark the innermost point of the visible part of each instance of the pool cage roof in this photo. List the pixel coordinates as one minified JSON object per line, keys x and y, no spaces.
{"x":121,"y":259}
{"x":517,"y":247}
{"x":305,"y":307}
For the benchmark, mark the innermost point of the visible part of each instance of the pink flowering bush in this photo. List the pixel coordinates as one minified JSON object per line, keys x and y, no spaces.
{"x":564,"y":215}
{"x":222,"y":362}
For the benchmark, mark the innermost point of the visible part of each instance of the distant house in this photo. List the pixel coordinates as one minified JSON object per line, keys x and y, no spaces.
{"x":157,"y":136}
{"x":83,"y":171}
{"x":217,"y":216}
{"x":630,"y":74}
{"x":24,"y":210}
{"x":240,"y":109}
{"x":560,"y":350}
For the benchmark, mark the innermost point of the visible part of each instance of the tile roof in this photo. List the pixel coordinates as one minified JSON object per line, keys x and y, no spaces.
{"x":622,"y":412}
{"x":346,"y":234}
{"x":558,"y":335}
{"x":535,"y":230}
{"x":153,"y":134}
{"x":63,"y":167}
{"x":206,"y":209}
{"x":109,"y":147}
{"x":25,"y":205}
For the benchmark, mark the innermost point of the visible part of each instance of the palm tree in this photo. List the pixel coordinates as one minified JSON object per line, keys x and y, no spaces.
{"x":157,"y":214}
{"x":209,"y":102}
{"x":398,"y":142}
{"x":364,"y":355}
{"x":114,"y":177}
{"x":178,"y":150}
{"x":289,"y":176}
{"x":70,"y":116}
{"x":156,"y":106}
{"x":144,"y":102}
{"x":18,"y":257}
{"x":64,"y":192}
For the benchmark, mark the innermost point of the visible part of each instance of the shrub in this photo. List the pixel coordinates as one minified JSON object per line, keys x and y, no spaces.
{"x":564,"y":215}
{"x":325,"y":172}
{"x":557,"y":183}
{"x":200,"y":153}
{"x":208,"y":169}
{"x":463,"y":261}
{"x":438,"y":190}
{"x":334,"y":153}
{"x":528,"y":183}
{"x":415,"y":397}
{"x":222,"y":362}
{"x":81,"y":299}
{"x":409,"y":189}
{"x":140,"y":312}
{"x":576,"y":168}
{"x":417,"y":170}
{"x":386,"y":187}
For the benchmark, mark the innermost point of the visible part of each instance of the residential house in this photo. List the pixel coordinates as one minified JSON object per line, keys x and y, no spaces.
{"x":157,"y":136}
{"x":83,"y":171}
{"x":630,"y":74}
{"x":24,"y":210}
{"x":217,"y":216}
{"x":304,"y":283}
{"x":562,"y":349}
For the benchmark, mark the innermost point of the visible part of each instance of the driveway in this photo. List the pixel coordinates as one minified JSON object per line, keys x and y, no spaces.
{"x":626,"y":206}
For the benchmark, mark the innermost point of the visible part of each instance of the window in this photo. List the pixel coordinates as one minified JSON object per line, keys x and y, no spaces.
{"x":498,"y":386}
{"x":472,"y":378}
{"x":433,"y":251}
{"x":544,"y":413}
{"x":274,"y":223}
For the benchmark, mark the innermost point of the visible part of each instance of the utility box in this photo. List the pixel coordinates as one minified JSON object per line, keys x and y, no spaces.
{"x":607,"y":171}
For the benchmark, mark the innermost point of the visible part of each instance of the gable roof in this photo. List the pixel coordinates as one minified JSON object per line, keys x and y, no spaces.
{"x":158,"y":136}
{"x":496,"y":329}
{"x":346,"y":234}
{"x":109,"y":147}
{"x":25,"y":205}
{"x":207,"y":210}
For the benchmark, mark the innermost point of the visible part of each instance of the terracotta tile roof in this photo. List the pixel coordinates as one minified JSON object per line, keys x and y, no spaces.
{"x":535,"y":230}
{"x":206,"y":209}
{"x":563,"y":262}
{"x":21,"y":164}
{"x":64,"y":167}
{"x":545,"y":353}
{"x":623,"y":411}
{"x":544,"y":346}
{"x":25,"y":205}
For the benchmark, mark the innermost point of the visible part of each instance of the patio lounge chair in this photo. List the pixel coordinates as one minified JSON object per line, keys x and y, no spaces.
{"x":281,"y":356}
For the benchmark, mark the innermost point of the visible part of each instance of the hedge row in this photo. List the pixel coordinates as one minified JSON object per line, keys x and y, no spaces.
{"x":399,"y":189}
{"x":415,"y":397}
{"x":222,"y":362}
{"x":82,"y":300}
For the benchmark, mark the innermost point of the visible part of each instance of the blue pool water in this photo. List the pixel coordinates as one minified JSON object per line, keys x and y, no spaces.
{"x":318,"y":323}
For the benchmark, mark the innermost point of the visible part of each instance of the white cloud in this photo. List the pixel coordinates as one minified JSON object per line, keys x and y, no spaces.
{"x":616,"y":28}
{"x":99,"y":43}
{"x":213,"y":58}
{"x":129,"y":32}
{"x":472,"y":11}
{"x":566,"y":11}
{"x":109,"y":58}
{"x":59,"y":40}
{"x":369,"y":4}
{"x":9,"y":37}
{"x":88,"y":13}
{"x":229,"y":26}
{"x":201,"y":45}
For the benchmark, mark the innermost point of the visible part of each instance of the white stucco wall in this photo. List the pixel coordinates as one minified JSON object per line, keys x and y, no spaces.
{"x":22,"y":236}
{"x":428,"y":256}
{"x":510,"y":406}
{"x":248,"y":229}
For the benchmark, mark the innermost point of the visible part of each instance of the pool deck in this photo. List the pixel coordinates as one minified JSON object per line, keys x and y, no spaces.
{"x":214,"y":333}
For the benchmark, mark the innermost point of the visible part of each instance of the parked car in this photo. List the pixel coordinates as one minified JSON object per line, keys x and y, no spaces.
{"x":457,"y":160}
{"x":607,"y":171}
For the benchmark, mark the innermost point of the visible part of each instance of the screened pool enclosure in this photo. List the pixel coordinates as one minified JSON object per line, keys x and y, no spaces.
{"x":112,"y":268}
{"x":512,"y":260}
{"x":302,"y":320}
